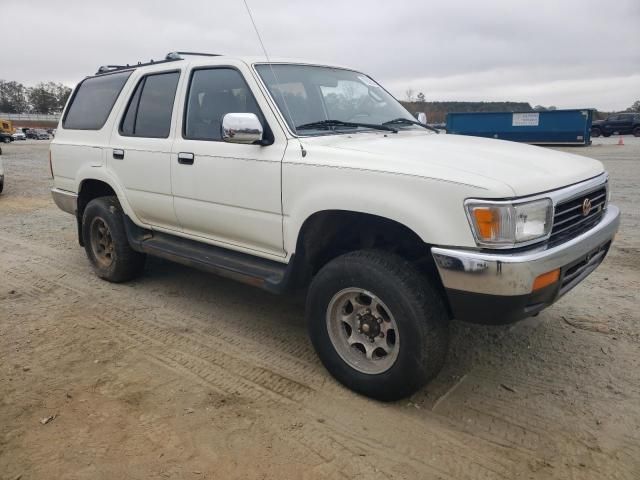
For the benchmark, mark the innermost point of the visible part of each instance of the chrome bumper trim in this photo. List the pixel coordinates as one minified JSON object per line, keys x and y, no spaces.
{"x":66,"y":201}
{"x":508,"y":274}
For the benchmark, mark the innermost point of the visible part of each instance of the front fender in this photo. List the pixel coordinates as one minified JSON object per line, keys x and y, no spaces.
{"x":432,"y":208}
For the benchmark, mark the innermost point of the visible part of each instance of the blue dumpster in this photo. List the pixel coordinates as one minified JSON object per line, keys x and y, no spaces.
{"x":565,"y":127}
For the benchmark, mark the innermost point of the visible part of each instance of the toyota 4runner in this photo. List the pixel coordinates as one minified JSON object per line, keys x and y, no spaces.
{"x":292,"y":176}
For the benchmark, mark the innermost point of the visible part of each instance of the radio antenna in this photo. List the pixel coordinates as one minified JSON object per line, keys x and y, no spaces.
{"x":284,"y":100}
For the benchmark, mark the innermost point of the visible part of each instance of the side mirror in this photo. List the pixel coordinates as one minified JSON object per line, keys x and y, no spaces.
{"x":422,"y":117}
{"x":241,"y":128}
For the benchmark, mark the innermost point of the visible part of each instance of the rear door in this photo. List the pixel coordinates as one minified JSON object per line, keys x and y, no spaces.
{"x":141,"y":142}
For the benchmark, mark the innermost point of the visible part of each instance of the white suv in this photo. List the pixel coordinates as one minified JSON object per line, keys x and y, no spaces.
{"x":292,"y":175}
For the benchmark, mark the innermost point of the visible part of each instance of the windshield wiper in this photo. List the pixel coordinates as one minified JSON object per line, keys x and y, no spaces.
{"x":408,"y":121}
{"x":339,"y":123}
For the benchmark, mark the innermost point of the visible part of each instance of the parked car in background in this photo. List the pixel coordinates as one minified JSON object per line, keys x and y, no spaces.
{"x":41,"y":135}
{"x":621,"y":123}
{"x":19,"y":135}
{"x":31,"y":133}
{"x":6,"y":137}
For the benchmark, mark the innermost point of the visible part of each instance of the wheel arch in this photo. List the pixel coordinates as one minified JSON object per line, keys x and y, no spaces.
{"x":95,"y":186}
{"x":327,"y":234}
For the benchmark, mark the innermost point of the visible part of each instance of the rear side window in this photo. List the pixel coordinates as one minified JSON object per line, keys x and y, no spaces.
{"x":149,"y":111}
{"x":93,"y":100}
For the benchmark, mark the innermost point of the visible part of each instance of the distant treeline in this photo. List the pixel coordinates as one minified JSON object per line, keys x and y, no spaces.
{"x":45,"y":98}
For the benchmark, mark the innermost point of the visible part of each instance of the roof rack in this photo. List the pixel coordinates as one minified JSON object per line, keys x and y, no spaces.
{"x":169,"y":57}
{"x":178,"y":55}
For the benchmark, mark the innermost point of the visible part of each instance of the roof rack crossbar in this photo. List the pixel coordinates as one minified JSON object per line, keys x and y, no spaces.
{"x":170,"y":57}
{"x":177,"y":55}
{"x":115,"y":68}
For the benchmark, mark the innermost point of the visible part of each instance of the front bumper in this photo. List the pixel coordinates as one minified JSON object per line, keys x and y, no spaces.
{"x":497,"y":287}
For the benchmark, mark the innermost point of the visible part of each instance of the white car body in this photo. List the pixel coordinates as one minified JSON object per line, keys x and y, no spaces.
{"x":422,"y":176}
{"x":19,"y":136}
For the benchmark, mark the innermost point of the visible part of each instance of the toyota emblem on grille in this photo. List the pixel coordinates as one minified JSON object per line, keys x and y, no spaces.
{"x":586,"y":207}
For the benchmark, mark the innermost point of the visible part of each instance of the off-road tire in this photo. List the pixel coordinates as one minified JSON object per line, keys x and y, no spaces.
{"x":636,"y":132}
{"x":418,"y":309}
{"x":126,"y":263}
{"x":595,"y":132}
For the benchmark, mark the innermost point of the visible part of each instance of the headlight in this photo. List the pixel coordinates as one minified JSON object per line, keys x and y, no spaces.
{"x":507,"y":224}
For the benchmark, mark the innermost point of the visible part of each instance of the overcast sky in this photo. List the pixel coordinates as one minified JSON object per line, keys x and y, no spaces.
{"x":568,"y":53}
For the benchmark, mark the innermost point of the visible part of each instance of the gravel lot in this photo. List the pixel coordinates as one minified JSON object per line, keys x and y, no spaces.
{"x":181,"y":374}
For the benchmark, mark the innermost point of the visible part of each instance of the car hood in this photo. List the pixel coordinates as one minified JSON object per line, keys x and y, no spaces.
{"x":501,"y":167}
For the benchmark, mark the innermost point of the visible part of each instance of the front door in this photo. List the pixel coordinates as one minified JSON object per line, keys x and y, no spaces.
{"x":227,"y":193}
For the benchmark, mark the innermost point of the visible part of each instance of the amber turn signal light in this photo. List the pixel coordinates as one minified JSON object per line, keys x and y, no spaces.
{"x":488,"y":222}
{"x":546,"y":279}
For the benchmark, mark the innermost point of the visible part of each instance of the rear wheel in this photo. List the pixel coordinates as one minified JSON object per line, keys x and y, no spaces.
{"x":106,"y":242}
{"x":595,"y":132}
{"x":636,"y":132}
{"x":377,"y":324}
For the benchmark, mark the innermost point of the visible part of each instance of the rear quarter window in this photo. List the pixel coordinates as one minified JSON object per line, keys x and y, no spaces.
{"x":93,"y":100}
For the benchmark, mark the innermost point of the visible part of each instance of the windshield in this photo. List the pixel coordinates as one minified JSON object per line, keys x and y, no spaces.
{"x":307,"y":94}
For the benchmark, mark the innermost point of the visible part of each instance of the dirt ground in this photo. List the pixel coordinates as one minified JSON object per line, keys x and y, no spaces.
{"x":184,"y":375}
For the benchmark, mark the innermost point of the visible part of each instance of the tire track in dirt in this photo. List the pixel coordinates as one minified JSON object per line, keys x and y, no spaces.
{"x":280,"y":349}
{"x":226,"y":373}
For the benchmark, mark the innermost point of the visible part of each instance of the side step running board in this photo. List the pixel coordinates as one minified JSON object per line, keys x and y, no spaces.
{"x":259,"y":272}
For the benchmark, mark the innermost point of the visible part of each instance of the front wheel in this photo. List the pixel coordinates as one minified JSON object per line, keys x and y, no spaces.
{"x":378,"y":325}
{"x":106,"y":243}
{"x":595,"y":132}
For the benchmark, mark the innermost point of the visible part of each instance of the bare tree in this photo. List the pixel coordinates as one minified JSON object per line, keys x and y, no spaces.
{"x":409,"y":94}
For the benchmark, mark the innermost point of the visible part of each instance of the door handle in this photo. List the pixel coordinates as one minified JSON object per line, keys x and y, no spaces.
{"x":118,"y":154}
{"x":185,"y":158}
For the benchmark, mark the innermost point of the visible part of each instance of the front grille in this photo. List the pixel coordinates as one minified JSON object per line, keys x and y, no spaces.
{"x":569,"y":219}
